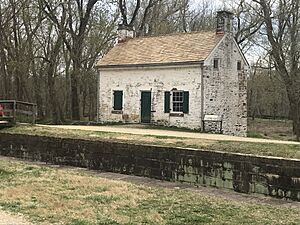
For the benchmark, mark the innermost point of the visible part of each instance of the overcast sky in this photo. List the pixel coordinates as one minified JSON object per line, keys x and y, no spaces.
{"x":216,"y":3}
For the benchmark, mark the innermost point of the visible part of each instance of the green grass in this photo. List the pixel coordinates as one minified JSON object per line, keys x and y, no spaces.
{"x":171,"y":128}
{"x":253,"y":134}
{"x":4,"y":174}
{"x":78,"y":197}
{"x":271,"y":129}
{"x":11,"y":206}
{"x":163,"y":137}
{"x":103,"y":199}
{"x":79,"y":222}
{"x":262,"y":149}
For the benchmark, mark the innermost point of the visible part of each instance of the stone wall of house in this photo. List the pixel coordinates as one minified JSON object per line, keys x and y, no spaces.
{"x":270,"y":176}
{"x":225,"y":90}
{"x":157,"y":80}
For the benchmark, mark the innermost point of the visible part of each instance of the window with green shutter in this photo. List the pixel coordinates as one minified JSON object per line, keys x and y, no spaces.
{"x":167,"y":101}
{"x":118,"y":100}
{"x":180,"y":101}
{"x":186,"y":100}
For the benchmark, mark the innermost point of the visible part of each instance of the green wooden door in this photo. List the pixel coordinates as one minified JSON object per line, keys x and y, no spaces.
{"x":146,"y":107}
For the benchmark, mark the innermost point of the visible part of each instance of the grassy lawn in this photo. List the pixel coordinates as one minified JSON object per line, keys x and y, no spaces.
{"x":264,"y":149}
{"x":271,"y":129}
{"x":257,"y":128}
{"x":48,"y":195}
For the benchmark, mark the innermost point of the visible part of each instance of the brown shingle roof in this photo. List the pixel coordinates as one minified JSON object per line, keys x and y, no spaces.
{"x":176,"y":48}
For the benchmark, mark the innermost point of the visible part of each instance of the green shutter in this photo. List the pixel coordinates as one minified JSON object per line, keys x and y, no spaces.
{"x":167,"y":101}
{"x":185,"y":102}
{"x":118,"y":100}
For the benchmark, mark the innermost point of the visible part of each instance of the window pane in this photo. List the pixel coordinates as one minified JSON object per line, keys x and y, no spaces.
{"x":216,"y":64}
{"x":239,"y":65}
{"x":177,"y":101}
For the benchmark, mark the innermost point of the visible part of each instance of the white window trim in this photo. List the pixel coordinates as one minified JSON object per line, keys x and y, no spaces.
{"x":171,"y":101}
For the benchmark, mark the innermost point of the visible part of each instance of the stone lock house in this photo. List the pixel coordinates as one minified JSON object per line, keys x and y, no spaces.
{"x":192,"y":80}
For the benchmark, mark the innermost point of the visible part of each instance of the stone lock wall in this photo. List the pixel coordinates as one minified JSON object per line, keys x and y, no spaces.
{"x":274,"y":177}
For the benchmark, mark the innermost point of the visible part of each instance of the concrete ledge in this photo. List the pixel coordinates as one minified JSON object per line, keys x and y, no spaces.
{"x":276,"y":177}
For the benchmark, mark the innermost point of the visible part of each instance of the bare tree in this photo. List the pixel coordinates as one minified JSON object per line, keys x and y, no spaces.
{"x":282,"y":27}
{"x":124,"y":12}
{"x":247,"y":22}
{"x":77,"y":27}
{"x":154,"y":17}
{"x":46,"y":45}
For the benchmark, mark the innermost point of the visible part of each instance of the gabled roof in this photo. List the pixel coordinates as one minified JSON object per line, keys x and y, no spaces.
{"x":169,"y":49}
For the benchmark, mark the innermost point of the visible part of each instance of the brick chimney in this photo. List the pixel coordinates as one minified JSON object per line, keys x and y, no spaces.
{"x":125,"y":32}
{"x":224,"y":22}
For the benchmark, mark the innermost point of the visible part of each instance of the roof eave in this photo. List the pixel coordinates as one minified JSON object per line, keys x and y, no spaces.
{"x":150,"y":64}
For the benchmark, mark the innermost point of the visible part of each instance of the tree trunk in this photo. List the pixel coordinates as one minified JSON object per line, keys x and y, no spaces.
{"x":75,"y":92}
{"x":295,"y":109}
{"x":76,"y":56}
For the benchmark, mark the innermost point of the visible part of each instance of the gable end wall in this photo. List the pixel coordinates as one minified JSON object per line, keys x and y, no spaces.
{"x":225,"y":90}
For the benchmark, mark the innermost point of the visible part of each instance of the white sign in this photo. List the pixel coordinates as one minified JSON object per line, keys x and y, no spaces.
{"x":212,"y":118}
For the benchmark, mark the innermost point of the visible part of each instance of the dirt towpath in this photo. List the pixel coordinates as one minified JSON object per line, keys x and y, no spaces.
{"x":169,"y":133}
{"x":8,"y":219}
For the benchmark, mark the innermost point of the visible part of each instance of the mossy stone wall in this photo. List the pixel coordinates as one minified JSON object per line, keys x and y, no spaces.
{"x":270,"y":176}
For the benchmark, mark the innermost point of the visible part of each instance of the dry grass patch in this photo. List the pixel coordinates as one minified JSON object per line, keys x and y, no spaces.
{"x":56,"y":195}
{"x":75,"y":197}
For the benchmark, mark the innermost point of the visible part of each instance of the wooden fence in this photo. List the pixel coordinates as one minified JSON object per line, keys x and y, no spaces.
{"x":11,"y":109}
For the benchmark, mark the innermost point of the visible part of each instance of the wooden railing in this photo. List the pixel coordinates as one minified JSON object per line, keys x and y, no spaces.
{"x":11,"y":109}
